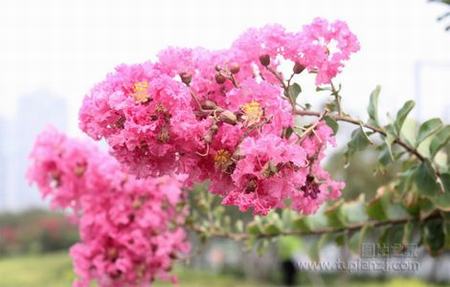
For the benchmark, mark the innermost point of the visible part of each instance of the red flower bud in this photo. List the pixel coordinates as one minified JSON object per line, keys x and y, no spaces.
{"x":298,"y":68}
{"x":265,"y":60}
{"x":220,"y":79}
{"x":186,"y":78}
{"x":234,"y":68}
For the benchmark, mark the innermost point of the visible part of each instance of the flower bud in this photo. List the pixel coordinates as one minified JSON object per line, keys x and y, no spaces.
{"x":209,"y":105}
{"x":220,"y":79}
{"x":186,"y":78}
{"x":298,"y":68}
{"x":228,"y":117}
{"x":234,"y":68}
{"x":214,"y":128}
{"x":265,"y":60}
{"x":208,"y":138}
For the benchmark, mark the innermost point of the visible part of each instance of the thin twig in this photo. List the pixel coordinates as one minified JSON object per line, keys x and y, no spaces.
{"x":278,"y":76}
{"x":351,"y":120}
{"x":311,"y":128}
{"x":320,"y":231}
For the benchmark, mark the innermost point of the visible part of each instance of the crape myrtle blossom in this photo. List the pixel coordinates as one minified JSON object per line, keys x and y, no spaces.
{"x":226,"y":116}
{"x":322,"y":47}
{"x":319,"y":186}
{"x":129,"y":228}
{"x":146,"y":117}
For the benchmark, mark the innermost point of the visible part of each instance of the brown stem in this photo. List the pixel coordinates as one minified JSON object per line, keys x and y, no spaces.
{"x":348,"y":119}
{"x":321,"y":231}
{"x":278,"y":76}
{"x":337,"y":98}
{"x":312,"y":127}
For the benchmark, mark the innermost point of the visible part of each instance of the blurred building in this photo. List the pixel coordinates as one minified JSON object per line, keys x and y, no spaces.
{"x":35,"y":111}
{"x":3,"y":164}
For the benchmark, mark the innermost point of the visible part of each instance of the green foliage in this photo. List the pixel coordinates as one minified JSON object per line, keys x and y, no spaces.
{"x":358,"y":142}
{"x":402,"y":114}
{"x":411,"y":202}
{"x":434,"y":236}
{"x":427,"y":129}
{"x":425,"y":179}
{"x":372,"y":110}
{"x":439,"y":140}
{"x":332,"y":123}
{"x":294,"y":91}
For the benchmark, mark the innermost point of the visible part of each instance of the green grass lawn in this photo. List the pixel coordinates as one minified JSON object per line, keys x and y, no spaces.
{"x":55,"y":270}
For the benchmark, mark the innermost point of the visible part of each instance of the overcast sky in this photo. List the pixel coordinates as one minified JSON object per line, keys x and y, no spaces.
{"x":66,"y":46}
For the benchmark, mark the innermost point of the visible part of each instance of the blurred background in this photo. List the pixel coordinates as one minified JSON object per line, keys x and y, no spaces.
{"x":53,"y":52}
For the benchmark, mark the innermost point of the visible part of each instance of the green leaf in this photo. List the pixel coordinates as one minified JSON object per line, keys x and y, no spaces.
{"x":319,"y":89}
{"x":402,"y":114}
{"x":442,"y":200}
{"x":354,"y":211}
{"x":389,"y":139}
{"x":391,"y":237}
{"x":272,"y":229}
{"x":372,"y":110}
{"x":427,"y":129}
{"x":405,"y":181}
{"x":357,"y":239}
{"x":341,"y":239}
{"x":408,"y":229}
{"x":433,"y":236}
{"x":376,"y":209}
{"x":332,"y":123}
{"x":317,"y":245}
{"x":288,"y":132}
{"x":425,"y":179}
{"x":426,"y":207}
{"x":394,"y":238}
{"x":335,"y":215}
{"x":261,"y":246}
{"x":254,"y":228}
{"x":301,"y":224}
{"x":396,"y":211}
{"x":385,"y":156}
{"x":239,"y":225}
{"x":286,"y":218}
{"x":294,"y":91}
{"x":447,"y":233}
{"x":385,"y":206}
{"x":445,"y":177}
{"x":358,"y":142}
{"x":439,"y":140}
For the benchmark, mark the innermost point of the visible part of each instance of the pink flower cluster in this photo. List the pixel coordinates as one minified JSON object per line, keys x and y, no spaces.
{"x":129,"y":228}
{"x":225,"y":116}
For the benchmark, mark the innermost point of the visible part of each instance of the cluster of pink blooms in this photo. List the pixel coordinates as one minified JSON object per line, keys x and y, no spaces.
{"x":223,"y":116}
{"x":129,"y":228}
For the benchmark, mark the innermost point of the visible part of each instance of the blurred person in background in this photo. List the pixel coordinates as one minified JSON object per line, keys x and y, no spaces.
{"x":288,"y":246}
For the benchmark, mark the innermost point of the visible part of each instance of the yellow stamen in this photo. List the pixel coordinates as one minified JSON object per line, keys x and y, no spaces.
{"x":253,"y":112}
{"x":140,"y":92}
{"x":160,"y":109}
{"x":222,"y":159}
{"x":163,"y":135}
